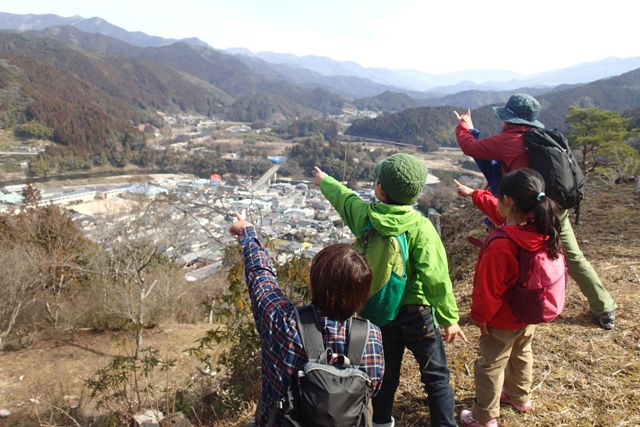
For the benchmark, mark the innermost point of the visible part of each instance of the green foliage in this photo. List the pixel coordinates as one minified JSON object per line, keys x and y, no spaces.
{"x":33,"y":129}
{"x":344,"y":162}
{"x":387,"y":102}
{"x":319,"y":99}
{"x":602,"y":136}
{"x":309,"y":128}
{"x":422,"y":126}
{"x":10,"y":167}
{"x":266,"y":107}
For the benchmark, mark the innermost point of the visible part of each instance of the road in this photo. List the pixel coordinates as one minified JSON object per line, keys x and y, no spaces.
{"x":388,"y":142}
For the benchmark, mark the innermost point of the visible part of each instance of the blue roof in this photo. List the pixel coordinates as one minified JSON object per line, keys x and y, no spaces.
{"x":12,"y":198}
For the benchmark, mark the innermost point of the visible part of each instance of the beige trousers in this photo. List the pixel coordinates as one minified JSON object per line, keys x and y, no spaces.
{"x":506,"y":362}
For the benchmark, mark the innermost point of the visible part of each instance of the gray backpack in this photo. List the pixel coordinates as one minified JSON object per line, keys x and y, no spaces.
{"x":323,"y":394}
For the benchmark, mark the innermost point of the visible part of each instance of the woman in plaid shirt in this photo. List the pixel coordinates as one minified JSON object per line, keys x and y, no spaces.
{"x":339,"y":286}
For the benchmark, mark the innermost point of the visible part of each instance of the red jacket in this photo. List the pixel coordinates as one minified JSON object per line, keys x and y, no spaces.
{"x":497,"y":267}
{"x":507,"y":146}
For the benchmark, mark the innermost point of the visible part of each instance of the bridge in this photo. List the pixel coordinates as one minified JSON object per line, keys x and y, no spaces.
{"x":266,"y":177}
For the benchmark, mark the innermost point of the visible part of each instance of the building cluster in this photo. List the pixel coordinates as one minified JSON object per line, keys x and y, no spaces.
{"x":188,"y":218}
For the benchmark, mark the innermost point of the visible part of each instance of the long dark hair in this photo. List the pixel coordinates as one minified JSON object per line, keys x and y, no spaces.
{"x":340,"y":280}
{"x":526,"y":187}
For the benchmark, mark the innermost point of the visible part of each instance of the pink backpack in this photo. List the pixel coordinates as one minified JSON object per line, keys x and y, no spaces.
{"x":540,"y":291}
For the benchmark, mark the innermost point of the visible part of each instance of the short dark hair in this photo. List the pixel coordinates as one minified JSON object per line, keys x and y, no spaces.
{"x":340,"y":280}
{"x":388,"y":200}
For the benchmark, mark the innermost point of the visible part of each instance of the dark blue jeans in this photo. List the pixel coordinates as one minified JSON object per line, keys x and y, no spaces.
{"x":415,"y":331}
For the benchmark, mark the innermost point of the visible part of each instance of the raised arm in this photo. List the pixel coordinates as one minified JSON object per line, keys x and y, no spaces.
{"x":352,"y":209}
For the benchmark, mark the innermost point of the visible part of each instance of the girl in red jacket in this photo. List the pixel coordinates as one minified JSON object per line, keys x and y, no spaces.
{"x":503,"y":374}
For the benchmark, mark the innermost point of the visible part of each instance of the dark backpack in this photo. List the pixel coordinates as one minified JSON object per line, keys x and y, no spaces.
{"x":539,"y":294}
{"x":323,"y":394}
{"x":388,"y":257}
{"x":550,"y":155}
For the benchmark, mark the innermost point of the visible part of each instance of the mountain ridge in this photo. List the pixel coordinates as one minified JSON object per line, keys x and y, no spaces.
{"x":406,"y":81}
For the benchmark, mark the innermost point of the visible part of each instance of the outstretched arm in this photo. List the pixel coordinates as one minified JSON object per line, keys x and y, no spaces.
{"x":352,"y":209}
{"x":264,"y":290}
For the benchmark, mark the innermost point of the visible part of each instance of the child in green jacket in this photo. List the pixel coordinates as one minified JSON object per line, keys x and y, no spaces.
{"x":429,"y":301}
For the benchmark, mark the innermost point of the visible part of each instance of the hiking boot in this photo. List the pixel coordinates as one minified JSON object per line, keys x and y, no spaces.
{"x":605,"y":320}
{"x":520,"y":407}
{"x":467,"y":420}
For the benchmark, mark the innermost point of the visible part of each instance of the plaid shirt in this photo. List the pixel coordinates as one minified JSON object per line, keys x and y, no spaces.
{"x":282,"y":350}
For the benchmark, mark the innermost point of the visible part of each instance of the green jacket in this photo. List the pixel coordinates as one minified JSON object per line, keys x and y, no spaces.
{"x":427,"y":269}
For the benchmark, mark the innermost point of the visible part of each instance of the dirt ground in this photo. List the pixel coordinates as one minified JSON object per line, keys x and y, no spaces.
{"x":584,"y":376}
{"x":52,"y":371}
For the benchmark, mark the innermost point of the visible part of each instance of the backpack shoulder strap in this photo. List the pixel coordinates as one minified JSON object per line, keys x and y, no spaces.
{"x":312,"y":337}
{"x":497,"y":234}
{"x":402,"y":242}
{"x":358,"y":337}
{"x":404,"y":249}
{"x":549,"y":138}
{"x":309,"y":330}
{"x":364,"y":234}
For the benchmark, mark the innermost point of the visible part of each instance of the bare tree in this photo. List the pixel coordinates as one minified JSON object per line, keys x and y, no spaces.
{"x":136,"y":269}
{"x":17,"y":289}
{"x":52,"y":247}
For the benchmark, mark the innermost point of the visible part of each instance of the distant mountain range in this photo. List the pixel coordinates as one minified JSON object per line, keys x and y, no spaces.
{"x":59,"y":71}
{"x":10,"y":21}
{"x":348,"y":78}
{"x":447,"y":83}
{"x":434,"y":126}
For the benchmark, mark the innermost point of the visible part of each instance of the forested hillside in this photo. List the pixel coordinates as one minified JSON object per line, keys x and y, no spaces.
{"x":424,"y":126}
{"x":621,"y":94}
{"x":90,"y":94}
{"x":225,"y":72}
{"x":388,"y":102}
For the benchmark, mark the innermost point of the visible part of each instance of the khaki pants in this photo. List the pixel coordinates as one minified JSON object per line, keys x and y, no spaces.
{"x":506,"y":362}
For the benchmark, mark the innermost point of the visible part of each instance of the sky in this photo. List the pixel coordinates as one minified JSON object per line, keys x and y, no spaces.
{"x":433,"y":36}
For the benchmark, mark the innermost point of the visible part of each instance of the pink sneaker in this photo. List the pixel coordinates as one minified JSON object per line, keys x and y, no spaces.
{"x":520,"y":407}
{"x":467,"y":420}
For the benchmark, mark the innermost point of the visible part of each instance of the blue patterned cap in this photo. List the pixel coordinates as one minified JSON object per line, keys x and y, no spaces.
{"x":520,"y":109}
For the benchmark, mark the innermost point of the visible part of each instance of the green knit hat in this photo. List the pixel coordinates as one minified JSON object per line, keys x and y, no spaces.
{"x":402,"y":177}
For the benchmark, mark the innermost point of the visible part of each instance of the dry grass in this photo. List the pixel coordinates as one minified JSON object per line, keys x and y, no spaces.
{"x":585,"y":376}
{"x":54,"y":368}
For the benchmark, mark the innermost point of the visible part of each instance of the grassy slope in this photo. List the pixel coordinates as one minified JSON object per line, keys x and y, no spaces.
{"x":585,"y":376}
